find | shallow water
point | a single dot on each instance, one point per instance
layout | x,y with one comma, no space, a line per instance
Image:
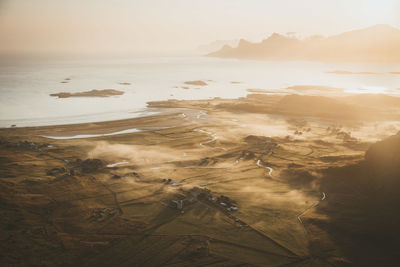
25,86
79,136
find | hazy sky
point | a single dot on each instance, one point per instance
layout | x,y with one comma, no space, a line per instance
91,26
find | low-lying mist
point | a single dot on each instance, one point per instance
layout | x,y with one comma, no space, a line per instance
134,153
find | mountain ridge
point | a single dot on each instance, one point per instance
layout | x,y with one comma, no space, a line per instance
378,43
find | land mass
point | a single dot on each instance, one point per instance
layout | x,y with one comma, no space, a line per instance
368,188
92,93
374,44
350,72
259,181
216,45
200,83
367,107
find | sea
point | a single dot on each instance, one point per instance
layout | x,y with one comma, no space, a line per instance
26,85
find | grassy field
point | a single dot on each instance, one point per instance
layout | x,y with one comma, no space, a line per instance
64,203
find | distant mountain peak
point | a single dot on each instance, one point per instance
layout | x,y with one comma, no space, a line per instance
276,35
377,43
372,30
243,42
382,27
216,45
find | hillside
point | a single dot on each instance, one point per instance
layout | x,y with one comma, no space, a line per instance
216,45
378,43
362,205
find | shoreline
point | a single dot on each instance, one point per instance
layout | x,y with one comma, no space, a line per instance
78,119
142,113
160,119
192,163
28,104
160,114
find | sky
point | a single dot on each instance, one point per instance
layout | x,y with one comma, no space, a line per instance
168,26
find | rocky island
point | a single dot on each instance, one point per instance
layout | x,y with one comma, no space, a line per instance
200,83
92,93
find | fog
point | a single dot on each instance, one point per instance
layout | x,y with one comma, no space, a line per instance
159,27
136,154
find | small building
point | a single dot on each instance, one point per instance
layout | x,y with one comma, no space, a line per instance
179,204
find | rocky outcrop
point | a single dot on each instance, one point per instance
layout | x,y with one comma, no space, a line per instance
92,93
200,83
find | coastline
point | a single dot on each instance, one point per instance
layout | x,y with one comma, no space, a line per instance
79,119
198,153
26,92
160,114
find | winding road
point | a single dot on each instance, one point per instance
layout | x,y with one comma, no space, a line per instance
312,206
269,168
213,135
214,138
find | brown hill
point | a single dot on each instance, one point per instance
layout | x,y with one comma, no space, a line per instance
362,205
317,106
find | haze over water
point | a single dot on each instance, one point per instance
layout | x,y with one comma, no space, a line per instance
25,88
148,28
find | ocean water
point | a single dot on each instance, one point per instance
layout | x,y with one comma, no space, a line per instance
25,86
